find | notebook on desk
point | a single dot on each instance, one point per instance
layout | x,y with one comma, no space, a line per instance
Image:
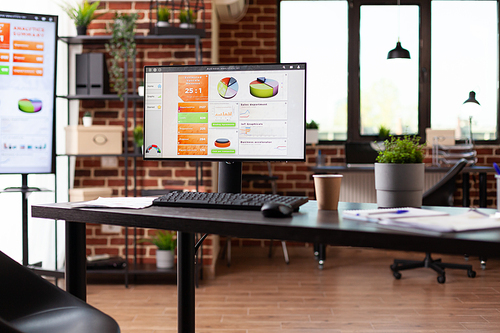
425,219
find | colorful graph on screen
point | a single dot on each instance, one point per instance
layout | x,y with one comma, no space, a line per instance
264,88
227,87
30,105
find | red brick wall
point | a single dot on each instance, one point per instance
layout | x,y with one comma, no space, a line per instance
252,40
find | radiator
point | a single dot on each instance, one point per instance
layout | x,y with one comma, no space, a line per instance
360,186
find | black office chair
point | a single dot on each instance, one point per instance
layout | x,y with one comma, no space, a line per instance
441,194
30,304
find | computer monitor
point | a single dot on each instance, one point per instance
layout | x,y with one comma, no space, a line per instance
225,113
28,51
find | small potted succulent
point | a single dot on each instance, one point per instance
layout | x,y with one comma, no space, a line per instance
166,244
187,18
139,137
163,17
87,119
82,14
312,132
400,172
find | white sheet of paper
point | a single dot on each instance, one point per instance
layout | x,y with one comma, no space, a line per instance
117,202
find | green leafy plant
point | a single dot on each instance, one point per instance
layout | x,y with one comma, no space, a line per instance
163,14
312,125
139,136
187,16
121,47
383,132
402,150
83,13
163,239
87,114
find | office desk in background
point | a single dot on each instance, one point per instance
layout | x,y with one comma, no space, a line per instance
481,170
308,225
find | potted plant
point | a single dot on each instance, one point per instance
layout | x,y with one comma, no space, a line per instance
383,133
87,119
82,14
163,16
166,244
121,47
139,137
312,129
399,172
187,18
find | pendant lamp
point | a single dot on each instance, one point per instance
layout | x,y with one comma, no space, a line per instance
398,52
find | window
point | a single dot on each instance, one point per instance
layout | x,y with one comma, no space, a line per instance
464,55
388,88
305,37
464,58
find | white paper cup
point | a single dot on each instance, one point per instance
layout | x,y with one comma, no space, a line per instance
327,188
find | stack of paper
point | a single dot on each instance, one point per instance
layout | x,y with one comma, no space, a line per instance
425,219
116,202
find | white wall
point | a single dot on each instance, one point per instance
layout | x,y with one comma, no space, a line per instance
41,232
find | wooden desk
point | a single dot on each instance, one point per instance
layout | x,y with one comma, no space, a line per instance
481,170
308,225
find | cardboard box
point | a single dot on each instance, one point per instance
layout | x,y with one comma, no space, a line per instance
91,193
97,139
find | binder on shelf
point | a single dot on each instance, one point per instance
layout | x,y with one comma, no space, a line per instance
92,76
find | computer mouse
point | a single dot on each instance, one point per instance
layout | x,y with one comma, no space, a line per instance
276,209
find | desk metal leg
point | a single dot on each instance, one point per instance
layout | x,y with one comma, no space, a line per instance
465,190
482,189
76,264
185,282
321,255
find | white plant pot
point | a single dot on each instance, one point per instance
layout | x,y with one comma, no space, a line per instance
399,185
140,90
164,259
186,26
312,136
162,24
87,121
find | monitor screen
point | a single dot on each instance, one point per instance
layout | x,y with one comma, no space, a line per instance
225,112
27,92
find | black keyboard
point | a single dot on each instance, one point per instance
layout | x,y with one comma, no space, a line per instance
241,201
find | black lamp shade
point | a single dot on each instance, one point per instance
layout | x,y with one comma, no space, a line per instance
472,98
398,53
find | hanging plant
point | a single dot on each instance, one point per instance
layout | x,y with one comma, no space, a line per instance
121,48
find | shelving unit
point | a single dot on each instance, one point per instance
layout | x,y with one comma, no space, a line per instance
182,36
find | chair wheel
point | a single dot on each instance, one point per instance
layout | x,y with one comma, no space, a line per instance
397,275
393,267
441,279
471,273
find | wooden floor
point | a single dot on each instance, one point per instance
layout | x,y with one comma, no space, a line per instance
356,292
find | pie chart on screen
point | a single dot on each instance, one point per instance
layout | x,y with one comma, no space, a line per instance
227,87
264,87
29,105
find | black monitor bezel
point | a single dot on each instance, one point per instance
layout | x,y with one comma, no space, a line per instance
32,16
213,67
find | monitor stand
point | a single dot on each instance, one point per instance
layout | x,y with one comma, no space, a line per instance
230,177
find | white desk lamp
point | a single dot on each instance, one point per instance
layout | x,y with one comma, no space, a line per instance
471,106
